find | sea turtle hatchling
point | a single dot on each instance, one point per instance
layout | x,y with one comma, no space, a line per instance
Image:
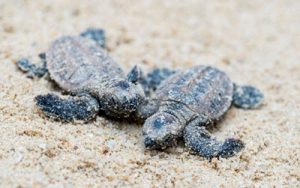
187,102
181,104
93,79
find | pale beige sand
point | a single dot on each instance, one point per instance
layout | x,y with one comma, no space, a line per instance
254,42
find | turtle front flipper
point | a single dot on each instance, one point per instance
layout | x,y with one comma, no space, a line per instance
247,97
198,139
71,108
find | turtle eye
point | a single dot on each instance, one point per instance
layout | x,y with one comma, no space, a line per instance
122,84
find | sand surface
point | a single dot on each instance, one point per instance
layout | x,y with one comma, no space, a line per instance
254,42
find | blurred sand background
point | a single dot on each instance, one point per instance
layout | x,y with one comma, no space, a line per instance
254,42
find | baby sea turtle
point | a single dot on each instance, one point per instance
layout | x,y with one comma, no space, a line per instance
187,102
93,79
181,104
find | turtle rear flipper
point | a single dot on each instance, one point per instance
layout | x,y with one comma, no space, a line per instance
33,70
95,34
68,109
247,97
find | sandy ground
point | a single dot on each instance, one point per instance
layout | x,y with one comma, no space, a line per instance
255,42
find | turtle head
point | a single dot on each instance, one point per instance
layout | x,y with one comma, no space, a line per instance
123,98
161,130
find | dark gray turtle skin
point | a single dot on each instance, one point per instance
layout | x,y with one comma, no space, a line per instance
152,80
186,103
96,34
84,69
247,97
33,70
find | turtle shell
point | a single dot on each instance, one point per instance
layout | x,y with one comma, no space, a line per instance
76,62
204,89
